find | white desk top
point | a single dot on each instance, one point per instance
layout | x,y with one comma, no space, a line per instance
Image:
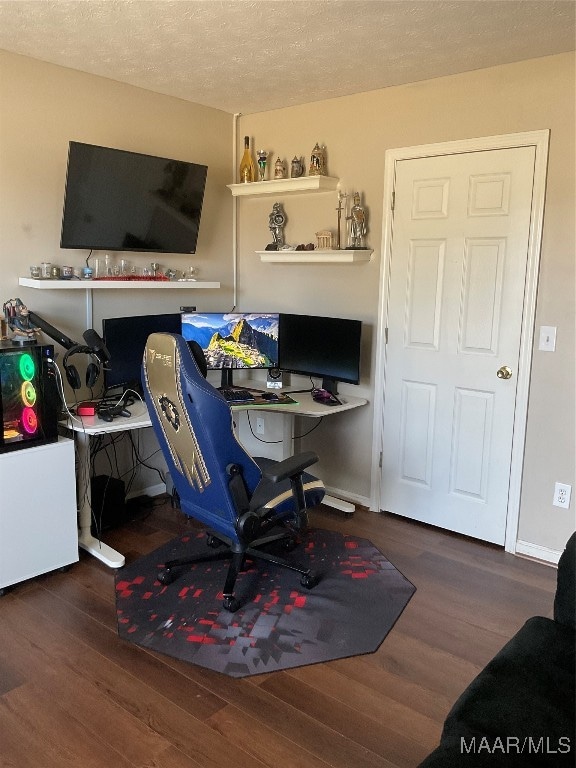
305,406
92,425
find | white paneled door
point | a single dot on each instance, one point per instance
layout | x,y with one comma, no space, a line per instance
459,254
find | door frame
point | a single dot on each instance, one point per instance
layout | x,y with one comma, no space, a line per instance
539,140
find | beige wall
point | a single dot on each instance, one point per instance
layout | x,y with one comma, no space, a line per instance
357,130
42,107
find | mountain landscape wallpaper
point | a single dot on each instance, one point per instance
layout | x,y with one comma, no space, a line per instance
234,340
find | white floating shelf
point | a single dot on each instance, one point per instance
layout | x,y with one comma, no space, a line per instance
285,186
187,285
315,257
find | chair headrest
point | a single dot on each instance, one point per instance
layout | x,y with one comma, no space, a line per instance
198,355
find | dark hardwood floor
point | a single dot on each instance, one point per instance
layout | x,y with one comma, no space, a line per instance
73,694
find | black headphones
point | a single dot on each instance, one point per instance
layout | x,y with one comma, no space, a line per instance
72,375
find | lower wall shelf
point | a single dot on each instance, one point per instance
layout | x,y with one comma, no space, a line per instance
187,285
316,257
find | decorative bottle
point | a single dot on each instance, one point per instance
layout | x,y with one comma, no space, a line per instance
247,167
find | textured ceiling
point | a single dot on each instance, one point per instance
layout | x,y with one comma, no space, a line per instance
244,56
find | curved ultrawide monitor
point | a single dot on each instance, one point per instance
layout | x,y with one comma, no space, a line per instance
328,347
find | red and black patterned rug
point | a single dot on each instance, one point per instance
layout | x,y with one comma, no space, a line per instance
280,624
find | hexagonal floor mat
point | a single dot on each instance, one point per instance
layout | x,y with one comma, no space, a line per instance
280,624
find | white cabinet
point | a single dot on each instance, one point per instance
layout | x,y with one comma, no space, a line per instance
38,525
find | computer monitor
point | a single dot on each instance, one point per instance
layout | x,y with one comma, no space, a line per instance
125,339
328,347
234,340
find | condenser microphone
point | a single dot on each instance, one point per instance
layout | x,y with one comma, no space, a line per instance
96,345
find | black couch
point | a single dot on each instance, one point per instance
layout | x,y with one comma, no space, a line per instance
519,711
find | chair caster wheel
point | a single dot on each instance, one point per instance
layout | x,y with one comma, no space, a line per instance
213,542
309,580
231,604
166,576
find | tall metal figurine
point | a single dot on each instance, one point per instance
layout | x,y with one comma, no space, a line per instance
341,198
276,224
358,229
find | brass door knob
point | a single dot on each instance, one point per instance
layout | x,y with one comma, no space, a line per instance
504,372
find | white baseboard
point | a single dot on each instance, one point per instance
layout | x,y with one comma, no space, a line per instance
536,552
355,498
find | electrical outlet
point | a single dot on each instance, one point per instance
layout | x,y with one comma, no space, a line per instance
562,495
259,425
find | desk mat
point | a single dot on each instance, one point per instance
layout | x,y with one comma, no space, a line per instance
280,625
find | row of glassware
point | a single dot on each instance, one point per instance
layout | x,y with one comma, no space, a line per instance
107,267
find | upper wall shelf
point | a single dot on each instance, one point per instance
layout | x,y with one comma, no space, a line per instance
285,186
316,257
29,282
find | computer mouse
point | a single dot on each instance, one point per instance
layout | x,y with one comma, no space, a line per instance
270,396
125,412
105,416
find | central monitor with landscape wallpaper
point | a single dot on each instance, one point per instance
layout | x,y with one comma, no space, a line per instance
232,340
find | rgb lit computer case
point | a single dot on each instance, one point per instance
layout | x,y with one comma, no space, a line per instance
29,401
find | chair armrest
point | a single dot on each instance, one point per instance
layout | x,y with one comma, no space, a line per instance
290,467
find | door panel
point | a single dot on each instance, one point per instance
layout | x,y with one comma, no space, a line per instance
459,252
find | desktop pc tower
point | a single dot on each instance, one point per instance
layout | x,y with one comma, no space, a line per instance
29,399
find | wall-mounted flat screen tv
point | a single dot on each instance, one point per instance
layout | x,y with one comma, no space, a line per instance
125,201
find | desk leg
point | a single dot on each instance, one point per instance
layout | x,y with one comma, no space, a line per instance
289,448
97,548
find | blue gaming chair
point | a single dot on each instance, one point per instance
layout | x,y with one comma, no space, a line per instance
245,503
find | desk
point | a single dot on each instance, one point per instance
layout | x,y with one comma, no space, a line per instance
84,428
309,408
87,426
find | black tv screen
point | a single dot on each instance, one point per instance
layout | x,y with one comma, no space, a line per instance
124,201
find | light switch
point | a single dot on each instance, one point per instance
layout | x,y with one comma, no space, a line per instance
547,338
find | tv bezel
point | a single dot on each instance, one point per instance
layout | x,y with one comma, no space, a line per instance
70,244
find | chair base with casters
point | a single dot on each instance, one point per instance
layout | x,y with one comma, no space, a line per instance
246,504
291,469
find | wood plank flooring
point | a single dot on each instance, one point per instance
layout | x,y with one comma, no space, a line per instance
73,694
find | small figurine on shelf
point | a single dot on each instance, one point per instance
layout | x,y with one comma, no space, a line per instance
262,157
324,240
358,228
276,224
296,168
279,169
318,161
17,317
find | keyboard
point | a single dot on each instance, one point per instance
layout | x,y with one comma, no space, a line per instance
236,395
